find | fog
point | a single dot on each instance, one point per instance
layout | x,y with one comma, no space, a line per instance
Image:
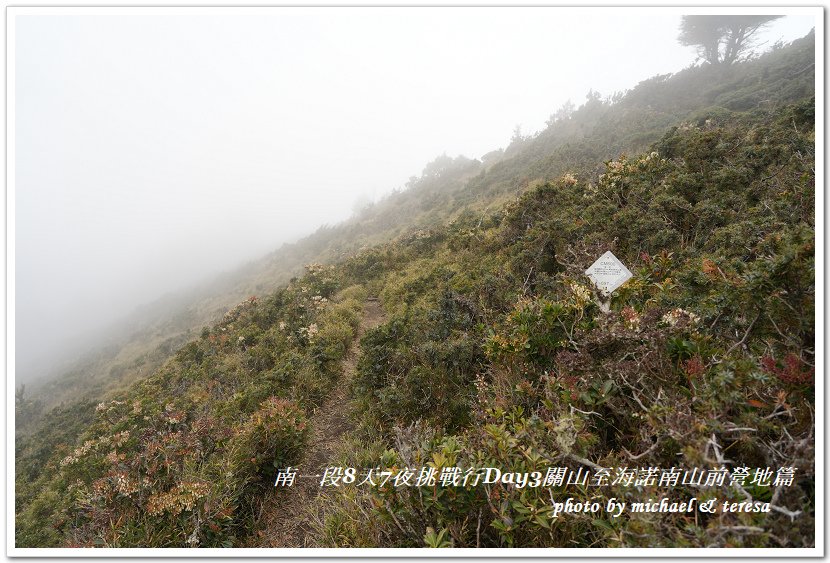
154,151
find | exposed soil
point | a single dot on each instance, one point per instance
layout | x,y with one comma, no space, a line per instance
284,518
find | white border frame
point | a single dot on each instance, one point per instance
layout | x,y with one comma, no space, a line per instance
389,553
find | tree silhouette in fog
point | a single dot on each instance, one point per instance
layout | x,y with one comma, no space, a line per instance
722,39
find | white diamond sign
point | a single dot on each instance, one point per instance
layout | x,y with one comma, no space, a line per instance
608,273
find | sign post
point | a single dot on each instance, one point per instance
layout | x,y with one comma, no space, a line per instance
607,274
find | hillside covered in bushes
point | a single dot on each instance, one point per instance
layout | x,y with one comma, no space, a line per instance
578,139
495,351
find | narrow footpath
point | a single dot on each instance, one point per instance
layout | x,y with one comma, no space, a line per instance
284,516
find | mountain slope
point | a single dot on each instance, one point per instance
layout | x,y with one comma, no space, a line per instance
575,142
494,352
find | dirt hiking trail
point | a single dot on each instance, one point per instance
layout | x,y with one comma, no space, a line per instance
284,518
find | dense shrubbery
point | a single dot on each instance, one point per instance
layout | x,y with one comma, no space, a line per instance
708,349
179,458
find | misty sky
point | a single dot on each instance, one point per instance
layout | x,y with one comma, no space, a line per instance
152,151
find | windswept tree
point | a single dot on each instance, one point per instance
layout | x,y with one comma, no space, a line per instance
722,39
